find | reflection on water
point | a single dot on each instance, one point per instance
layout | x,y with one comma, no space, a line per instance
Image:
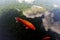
45,17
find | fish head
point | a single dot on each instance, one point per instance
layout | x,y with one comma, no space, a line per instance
17,19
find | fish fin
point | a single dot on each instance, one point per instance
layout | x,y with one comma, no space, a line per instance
16,21
26,28
15,18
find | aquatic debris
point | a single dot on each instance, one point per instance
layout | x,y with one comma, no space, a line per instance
34,11
47,20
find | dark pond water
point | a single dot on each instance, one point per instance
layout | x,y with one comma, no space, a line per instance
10,30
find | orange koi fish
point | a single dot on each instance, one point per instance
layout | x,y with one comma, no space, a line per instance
26,23
47,38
